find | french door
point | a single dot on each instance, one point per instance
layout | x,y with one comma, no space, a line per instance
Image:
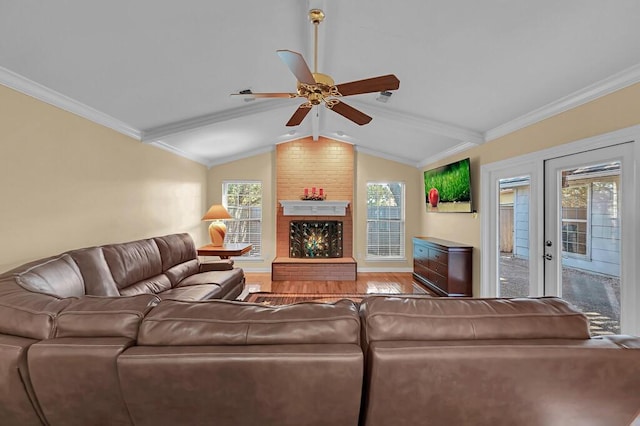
565,222
585,217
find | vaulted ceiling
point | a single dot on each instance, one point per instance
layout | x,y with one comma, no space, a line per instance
470,71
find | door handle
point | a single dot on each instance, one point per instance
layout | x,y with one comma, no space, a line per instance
548,256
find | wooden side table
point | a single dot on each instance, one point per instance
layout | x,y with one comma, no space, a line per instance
226,250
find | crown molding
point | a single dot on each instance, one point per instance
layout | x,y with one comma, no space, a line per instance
444,154
172,149
426,124
38,91
190,124
601,88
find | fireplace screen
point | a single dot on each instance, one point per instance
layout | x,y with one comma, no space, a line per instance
315,239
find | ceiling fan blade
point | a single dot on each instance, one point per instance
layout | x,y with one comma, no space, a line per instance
350,112
297,65
368,85
267,95
299,115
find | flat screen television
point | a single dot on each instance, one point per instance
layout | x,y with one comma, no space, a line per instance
448,188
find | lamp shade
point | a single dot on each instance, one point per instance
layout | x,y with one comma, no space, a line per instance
216,212
217,230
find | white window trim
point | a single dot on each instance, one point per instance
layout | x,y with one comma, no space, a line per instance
403,257
587,221
245,258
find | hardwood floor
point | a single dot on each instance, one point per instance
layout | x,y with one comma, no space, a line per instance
366,283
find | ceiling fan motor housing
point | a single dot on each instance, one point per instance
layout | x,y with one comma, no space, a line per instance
318,92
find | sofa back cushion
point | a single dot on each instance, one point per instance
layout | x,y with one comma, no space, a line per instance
235,323
104,316
179,257
138,265
407,318
57,276
27,313
98,280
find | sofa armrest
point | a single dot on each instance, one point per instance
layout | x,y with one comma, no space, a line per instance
218,265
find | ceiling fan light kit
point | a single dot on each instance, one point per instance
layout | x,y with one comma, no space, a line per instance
318,88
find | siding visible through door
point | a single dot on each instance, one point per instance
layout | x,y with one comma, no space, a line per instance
506,229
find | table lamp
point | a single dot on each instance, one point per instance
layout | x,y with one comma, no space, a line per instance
217,229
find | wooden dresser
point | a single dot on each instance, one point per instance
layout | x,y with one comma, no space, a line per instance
443,266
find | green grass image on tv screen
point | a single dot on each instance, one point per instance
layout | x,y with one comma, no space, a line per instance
452,182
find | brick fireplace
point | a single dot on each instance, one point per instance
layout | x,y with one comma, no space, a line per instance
326,164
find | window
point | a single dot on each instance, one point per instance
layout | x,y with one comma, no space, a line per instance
575,224
385,220
243,200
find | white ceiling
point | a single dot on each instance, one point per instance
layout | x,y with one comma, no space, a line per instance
469,70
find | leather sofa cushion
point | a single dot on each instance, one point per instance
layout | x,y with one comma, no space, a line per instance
57,276
218,265
221,322
182,270
152,285
225,279
179,257
98,280
193,293
133,262
104,316
28,314
175,249
420,318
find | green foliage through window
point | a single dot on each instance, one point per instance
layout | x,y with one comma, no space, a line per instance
243,200
385,220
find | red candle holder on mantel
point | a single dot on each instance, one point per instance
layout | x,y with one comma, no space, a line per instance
313,195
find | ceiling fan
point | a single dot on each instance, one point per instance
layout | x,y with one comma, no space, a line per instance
320,88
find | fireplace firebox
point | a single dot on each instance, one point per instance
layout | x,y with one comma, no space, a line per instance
315,238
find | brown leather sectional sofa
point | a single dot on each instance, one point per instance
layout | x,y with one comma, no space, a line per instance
146,356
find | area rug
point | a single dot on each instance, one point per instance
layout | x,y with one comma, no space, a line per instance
273,299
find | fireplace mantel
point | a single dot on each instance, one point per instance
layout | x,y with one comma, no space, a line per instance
314,208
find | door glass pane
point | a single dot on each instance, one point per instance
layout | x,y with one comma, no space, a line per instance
514,237
590,229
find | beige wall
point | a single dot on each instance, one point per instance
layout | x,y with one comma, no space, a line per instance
376,169
612,112
260,168
66,183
